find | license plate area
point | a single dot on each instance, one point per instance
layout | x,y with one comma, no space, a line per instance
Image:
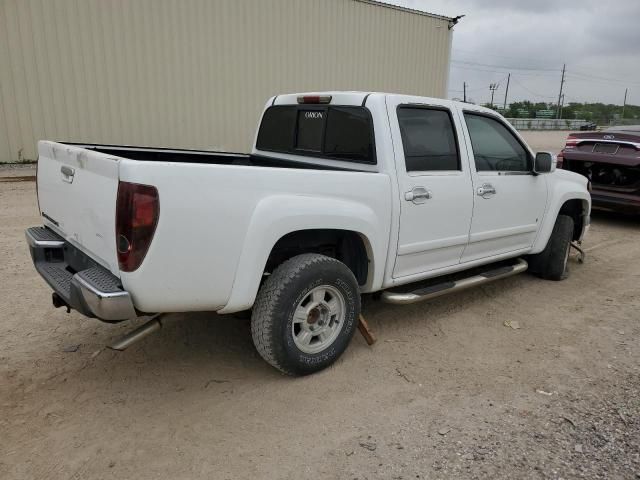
609,148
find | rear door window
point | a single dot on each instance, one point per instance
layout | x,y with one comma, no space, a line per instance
428,139
341,133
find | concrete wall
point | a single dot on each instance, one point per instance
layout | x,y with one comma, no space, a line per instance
196,73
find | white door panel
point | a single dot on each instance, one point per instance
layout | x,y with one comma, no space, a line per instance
509,219
433,234
435,188
508,205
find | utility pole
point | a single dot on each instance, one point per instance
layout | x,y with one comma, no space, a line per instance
625,101
564,67
493,87
504,107
561,105
464,92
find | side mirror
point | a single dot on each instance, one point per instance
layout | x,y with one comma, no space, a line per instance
543,163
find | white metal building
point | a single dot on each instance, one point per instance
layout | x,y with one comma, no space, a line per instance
196,73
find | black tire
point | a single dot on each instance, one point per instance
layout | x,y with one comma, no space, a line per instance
286,290
551,263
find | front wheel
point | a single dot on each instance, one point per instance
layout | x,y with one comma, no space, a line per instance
551,263
305,314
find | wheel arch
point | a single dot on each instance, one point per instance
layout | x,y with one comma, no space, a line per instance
350,247
578,210
279,223
575,205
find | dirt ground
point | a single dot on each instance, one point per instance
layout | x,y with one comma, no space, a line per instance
448,391
545,140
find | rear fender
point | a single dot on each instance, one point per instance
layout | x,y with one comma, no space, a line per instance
276,216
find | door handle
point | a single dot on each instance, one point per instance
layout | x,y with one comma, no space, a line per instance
67,173
418,195
486,190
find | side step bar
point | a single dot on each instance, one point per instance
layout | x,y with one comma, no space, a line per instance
433,291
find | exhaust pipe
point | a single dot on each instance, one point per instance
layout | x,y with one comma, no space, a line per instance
138,334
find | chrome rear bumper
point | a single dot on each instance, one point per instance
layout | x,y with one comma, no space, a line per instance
76,279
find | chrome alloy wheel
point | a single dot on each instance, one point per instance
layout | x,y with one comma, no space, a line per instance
318,319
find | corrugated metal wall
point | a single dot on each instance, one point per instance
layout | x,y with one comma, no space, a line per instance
196,73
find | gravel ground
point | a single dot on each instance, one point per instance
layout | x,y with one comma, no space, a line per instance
13,170
546,140
448,391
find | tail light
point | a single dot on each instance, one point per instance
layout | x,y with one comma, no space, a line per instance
559,160
572,142
137,212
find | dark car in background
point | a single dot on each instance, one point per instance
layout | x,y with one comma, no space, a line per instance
588,126
610,159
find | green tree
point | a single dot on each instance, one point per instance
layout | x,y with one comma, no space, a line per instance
597,112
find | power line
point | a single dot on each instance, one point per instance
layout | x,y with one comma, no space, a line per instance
597,77
483,53
530,91
520,84
573,76
473,89
464,67
572,99
538,67
600,80
479,64
576,74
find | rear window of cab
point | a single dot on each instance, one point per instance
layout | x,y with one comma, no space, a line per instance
339,133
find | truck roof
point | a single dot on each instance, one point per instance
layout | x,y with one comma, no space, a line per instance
359,98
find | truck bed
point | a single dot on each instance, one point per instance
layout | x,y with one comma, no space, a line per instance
219,215
176,155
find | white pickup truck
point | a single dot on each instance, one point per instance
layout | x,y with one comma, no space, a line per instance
344,194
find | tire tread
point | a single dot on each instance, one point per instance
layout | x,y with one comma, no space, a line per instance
263,316
549,264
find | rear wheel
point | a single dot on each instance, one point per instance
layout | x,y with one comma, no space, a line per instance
551,263
305,314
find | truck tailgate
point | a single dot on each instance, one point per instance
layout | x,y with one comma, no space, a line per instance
77,190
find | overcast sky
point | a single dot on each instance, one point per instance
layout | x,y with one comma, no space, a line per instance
598,40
